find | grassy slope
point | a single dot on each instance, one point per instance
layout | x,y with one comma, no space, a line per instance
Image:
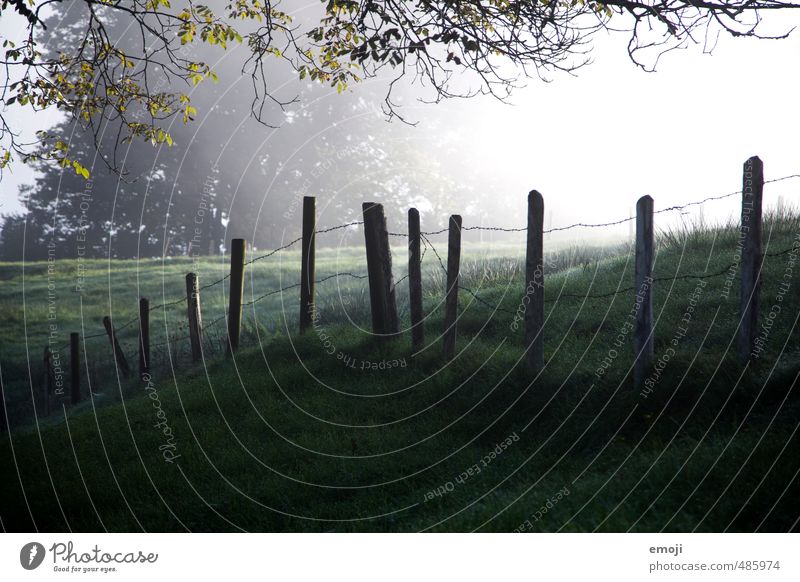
268,443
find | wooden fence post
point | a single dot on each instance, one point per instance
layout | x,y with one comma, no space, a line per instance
119,355
75,366
195,316
144,337
752,190
415,279
379,268
307,271
451,299
643,328
47,385
534,284
236,293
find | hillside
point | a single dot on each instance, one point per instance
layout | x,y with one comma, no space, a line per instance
334,432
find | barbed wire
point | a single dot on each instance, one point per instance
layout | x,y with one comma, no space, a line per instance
274,251
783,252
209,285
427,244
606,295
484,302
613,222
400,280
435,252
295,285
214,322
256,300
332,228
297,240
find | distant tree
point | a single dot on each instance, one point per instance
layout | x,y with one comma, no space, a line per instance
192,198
130,75
12,238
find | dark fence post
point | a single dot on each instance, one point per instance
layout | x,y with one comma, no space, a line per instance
534,284
415,279
451,299
119,355
47,385
75,366
307,264
236,293
643,329
752,190
379,268
195,316
144,337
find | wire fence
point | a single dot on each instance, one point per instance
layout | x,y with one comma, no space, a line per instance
428,245
170,341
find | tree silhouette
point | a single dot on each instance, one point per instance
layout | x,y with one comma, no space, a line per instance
129,61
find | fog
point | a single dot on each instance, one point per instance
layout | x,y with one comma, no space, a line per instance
591,144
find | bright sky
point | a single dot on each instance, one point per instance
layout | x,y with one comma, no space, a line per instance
593,144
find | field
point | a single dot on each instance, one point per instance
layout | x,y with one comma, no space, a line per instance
332,431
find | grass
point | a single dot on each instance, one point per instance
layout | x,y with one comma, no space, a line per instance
293,435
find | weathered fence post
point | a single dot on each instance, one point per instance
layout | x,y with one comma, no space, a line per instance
534,284
195,316
236,293
451,299
307,264
75,366
643,328
47,385
144,337
752,190
119,355
379,268
415,279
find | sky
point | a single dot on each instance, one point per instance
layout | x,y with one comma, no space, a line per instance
594,143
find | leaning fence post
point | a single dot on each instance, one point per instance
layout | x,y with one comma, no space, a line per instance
47,385
643,328
534,284
752,190
415,279
307,264
195,317
119,355
379,268
451,300
144,337
75,366
236,293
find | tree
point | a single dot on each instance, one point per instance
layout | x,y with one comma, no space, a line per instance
130,76
217,184
12,240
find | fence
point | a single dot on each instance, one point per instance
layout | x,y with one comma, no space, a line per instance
383,307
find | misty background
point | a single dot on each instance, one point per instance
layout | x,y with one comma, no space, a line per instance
592,144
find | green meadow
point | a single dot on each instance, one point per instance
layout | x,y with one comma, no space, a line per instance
334,431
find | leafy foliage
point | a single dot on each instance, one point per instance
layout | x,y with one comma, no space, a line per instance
133,78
